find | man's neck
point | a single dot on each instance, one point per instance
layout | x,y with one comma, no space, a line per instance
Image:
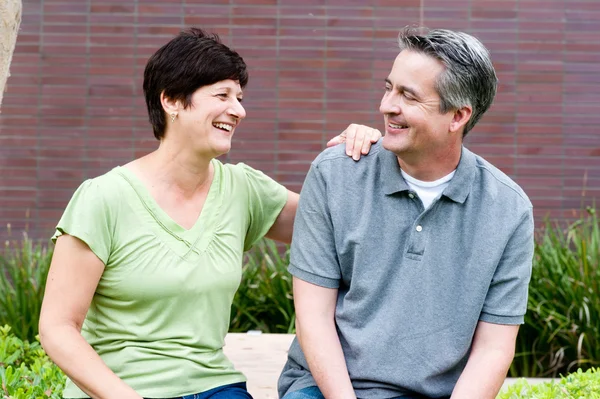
432,167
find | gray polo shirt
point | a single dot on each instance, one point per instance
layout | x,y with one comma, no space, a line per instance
412,283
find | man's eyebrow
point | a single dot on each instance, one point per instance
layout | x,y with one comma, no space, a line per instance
404,88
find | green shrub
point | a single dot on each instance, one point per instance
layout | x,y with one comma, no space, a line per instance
578,385
264,300
25,370
23,271
561,331
562,325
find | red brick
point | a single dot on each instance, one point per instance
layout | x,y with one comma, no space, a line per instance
294,22
542,14
64,28
399,4
106,8
65,19
305,2
252,2
254,21
114,19
112,29
61,7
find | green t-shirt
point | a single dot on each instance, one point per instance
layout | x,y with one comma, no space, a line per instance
161,310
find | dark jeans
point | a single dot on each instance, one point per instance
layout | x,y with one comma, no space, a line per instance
230,391
315,393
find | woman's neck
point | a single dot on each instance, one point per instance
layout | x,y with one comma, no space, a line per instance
174,169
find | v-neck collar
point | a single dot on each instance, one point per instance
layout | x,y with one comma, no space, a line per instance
200,234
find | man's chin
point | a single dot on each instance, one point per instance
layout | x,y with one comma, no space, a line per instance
394,144
391,143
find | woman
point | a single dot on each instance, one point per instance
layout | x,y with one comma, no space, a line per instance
148,256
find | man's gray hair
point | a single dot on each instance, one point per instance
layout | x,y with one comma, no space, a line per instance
469,78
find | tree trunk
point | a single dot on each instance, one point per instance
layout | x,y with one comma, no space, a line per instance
10,19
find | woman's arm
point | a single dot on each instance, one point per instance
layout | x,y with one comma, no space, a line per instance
74,274
284,224
358,139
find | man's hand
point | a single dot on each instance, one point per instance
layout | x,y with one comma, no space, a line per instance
358,139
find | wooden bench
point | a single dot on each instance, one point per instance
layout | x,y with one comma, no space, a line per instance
262,356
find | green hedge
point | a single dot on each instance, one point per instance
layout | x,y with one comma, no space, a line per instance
264,300
562,326
26,373
25,370
578,385
24,268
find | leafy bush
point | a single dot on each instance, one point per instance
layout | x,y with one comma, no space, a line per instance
561,331
25,370
264,300
579,385
23,271
26,373
562,325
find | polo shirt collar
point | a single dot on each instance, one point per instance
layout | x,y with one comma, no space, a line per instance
460,185
391,176
458,189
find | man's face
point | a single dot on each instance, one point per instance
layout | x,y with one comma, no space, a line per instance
414,125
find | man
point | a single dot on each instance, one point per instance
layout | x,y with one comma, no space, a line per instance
422,295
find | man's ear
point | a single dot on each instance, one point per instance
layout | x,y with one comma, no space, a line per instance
460,118
169,105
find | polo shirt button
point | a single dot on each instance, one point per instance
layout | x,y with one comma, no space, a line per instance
419,228
411,195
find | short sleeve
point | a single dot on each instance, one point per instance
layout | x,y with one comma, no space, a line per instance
313,256
506,301
266,199
88,217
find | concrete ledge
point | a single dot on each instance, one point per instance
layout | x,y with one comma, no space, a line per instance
262,356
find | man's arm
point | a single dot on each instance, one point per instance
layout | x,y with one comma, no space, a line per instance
317,335
492,352
314,263
493,346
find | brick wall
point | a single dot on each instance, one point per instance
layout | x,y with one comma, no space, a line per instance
74,106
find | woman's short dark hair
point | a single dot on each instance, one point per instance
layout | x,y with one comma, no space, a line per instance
191,60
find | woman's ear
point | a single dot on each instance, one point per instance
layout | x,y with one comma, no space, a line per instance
169,105
460,118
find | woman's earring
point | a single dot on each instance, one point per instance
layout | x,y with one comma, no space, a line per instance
173,116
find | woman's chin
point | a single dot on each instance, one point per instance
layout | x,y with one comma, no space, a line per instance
222,149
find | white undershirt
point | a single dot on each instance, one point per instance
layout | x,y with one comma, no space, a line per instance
428,191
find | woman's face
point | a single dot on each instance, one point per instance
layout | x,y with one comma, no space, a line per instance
209,122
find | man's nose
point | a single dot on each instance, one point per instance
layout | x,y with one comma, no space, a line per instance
389,106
